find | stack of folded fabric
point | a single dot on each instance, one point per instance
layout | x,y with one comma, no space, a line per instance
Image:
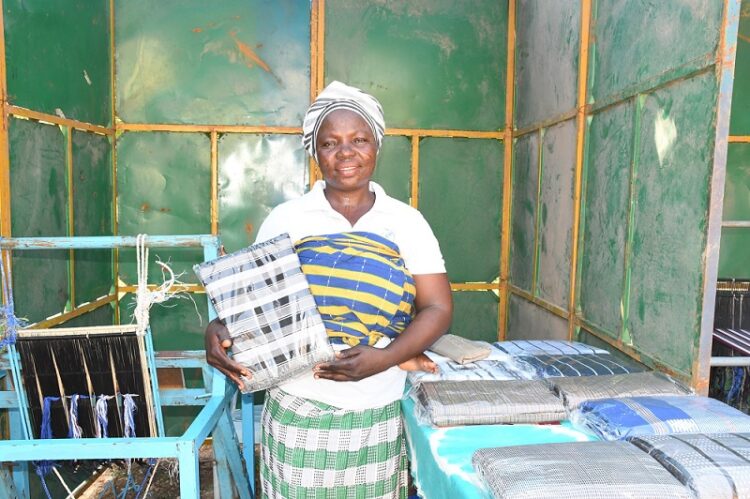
577,389
581,470
591,364
448,403
521,348
715,466
264,299
629,417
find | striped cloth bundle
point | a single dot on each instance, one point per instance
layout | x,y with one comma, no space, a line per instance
575,470
591,364
629,417
448,403
577,389
520,348
264,299
713,466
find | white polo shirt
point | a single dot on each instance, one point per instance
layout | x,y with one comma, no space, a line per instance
312,215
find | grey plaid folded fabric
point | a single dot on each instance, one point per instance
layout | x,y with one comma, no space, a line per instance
460,349
575,470
575,390
448,403
264,299
714,466
591,364
450,370
546,347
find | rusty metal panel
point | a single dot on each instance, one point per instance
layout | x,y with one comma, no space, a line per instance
39,197
675,158
740,120
547,43
256,173
229,62
556,213
464,210
92,213
641,43
524,211
605,217
734,261
394,167
164,187
527,321
432,63
57,57
475,315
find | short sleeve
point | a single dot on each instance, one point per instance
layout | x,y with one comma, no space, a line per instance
419,246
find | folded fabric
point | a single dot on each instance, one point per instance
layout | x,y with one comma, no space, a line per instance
450,370
549,347
714,466
461,349
575,390
591,364
448,403
264,299
575,470
628,417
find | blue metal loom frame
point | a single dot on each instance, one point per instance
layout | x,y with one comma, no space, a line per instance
214,419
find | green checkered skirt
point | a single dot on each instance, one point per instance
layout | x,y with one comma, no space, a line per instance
314,450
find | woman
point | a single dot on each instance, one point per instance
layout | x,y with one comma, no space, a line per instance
337,431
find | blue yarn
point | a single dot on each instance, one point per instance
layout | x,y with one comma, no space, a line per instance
738,378
129,415
43,468
7,317
42,474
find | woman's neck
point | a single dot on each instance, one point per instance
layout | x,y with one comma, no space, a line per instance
351,204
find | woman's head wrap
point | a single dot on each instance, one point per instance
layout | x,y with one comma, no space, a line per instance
339,96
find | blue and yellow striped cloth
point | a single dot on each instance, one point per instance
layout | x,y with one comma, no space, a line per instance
360,284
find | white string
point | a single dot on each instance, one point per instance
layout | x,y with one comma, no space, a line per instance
102,420
75,429
145,298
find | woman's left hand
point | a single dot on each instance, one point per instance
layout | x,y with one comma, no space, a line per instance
354,364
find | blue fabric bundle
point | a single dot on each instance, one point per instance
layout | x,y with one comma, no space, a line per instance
624,418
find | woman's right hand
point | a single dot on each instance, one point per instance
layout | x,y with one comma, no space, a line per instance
217,341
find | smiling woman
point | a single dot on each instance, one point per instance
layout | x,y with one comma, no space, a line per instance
379,282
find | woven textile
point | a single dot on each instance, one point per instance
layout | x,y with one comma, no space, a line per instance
263,298
546,347
577,470
360,284
310,449
575,390
449,370
592,364
627,417
460,349
714,466
448,403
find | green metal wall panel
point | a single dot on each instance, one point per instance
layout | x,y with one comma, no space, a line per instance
57,56
529,321
229,62
475,315
460,195
556,213
39,197
740,119
547,45
256,173
164,187
92,213
734,260
638,43
675,157
605,217
394,167
102,316
432,63
524,211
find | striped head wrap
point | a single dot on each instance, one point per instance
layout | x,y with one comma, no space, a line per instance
340,96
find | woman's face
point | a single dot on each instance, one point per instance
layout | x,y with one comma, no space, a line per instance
347,151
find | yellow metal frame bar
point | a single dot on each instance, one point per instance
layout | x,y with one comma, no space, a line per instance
546,123
84,308
177,288
502,308
549,307
214,182
71,214
176,127
113,117
414,197
739,139
56,120
5,220
583,74
475,286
